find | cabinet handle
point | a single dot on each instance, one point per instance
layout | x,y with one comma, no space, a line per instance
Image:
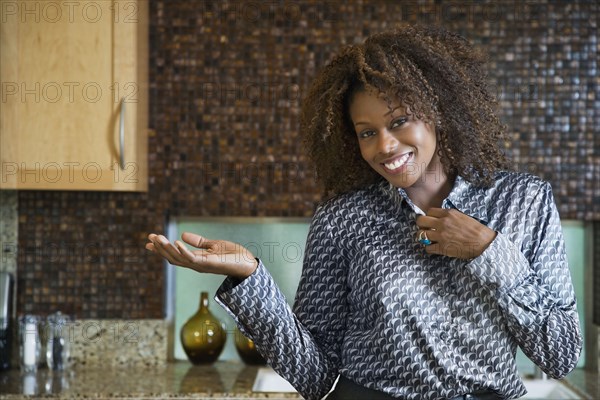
122,135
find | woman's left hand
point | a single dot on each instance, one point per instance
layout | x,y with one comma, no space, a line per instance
454,234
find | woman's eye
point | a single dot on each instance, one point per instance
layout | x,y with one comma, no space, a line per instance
399,122
366,134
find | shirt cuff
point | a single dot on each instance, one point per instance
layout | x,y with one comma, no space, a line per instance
248,300
501,264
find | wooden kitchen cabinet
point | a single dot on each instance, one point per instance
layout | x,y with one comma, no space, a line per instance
67,71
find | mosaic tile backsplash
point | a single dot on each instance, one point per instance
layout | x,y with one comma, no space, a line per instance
226,79
9,230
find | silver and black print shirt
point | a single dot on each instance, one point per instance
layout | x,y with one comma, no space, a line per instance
374,307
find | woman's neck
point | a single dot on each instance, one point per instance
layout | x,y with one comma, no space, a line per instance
431,193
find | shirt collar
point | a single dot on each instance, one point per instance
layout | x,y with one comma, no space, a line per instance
462,197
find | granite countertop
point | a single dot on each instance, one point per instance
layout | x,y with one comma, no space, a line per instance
180,380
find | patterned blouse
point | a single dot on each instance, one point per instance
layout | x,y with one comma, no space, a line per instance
373,306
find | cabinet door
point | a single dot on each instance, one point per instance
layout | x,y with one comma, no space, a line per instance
68,69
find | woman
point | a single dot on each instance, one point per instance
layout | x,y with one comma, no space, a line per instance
430,263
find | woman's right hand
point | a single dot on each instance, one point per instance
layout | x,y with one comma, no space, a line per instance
213,256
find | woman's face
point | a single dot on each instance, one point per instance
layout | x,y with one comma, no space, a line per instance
399,147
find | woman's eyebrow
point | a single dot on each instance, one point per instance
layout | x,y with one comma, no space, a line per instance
403,108
385,115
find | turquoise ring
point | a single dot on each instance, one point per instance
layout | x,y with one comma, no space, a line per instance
423,239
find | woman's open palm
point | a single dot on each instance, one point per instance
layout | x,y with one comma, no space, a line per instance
212,256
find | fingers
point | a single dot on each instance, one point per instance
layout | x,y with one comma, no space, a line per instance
427,233
164,248
178,253
184,251
430,234
427,222
438,212
436,215
150,246
453,233
197,240
435,222
159,247
191,257
172,252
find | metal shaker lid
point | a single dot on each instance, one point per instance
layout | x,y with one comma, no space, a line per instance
5,283
58,318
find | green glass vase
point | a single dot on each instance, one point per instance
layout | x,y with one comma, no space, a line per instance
203,336
247,350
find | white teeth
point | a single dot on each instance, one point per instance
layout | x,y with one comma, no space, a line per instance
398,163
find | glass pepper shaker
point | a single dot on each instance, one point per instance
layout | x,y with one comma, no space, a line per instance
57,343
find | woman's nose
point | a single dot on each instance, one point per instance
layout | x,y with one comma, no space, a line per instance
386,142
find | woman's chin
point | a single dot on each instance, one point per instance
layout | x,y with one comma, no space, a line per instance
399,181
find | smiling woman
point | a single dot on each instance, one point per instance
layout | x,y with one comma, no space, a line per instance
424,231
400,147
397,145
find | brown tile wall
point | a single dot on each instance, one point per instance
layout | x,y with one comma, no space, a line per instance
596,278
226,78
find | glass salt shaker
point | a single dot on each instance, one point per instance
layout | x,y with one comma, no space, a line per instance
29,342
57,343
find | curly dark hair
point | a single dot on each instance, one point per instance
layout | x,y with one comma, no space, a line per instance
438,74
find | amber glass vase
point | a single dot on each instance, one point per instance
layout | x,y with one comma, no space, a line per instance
203,336
247,350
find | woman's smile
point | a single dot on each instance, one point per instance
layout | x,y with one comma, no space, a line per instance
397,164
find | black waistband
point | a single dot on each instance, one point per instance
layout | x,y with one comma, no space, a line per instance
348,390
